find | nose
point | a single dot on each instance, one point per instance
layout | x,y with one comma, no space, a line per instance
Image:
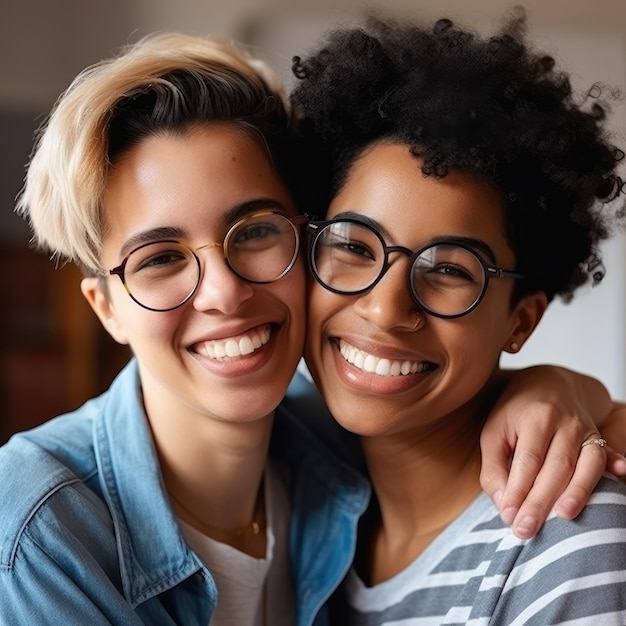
389,305
220,289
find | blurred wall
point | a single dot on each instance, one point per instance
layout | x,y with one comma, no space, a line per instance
44,43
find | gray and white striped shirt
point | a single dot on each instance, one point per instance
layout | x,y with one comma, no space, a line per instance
477,572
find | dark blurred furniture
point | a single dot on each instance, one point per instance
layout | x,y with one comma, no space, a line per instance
53,352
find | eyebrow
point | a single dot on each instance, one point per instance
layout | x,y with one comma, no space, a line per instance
171,232
477,244
148,236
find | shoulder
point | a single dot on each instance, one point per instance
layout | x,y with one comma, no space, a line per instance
563,549
60,455
45,479
310,455
57,539
319,468
304,402
599,529
572,570
605,509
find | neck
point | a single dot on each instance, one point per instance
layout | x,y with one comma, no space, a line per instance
213,473
416,477
423,481
249,538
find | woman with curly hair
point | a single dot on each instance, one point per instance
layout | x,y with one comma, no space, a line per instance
466,189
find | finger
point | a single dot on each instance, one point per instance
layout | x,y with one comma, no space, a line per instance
494,470
616,462
526,465
549,483
591,465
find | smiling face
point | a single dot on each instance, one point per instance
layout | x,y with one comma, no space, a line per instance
231,349
432,371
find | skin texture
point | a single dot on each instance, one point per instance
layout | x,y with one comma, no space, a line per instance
421,429
209,417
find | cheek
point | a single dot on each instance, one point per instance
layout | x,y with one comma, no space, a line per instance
291,291
496,317
146,330
474,343
294,291
323,304
315,297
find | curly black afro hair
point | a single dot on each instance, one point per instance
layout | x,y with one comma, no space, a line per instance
486,105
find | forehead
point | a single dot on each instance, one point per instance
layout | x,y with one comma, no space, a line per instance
386,183
193,181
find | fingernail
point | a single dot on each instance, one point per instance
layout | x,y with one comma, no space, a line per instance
526,527
497,498
508,515
567,508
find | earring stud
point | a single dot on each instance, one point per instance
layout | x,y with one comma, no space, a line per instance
514,346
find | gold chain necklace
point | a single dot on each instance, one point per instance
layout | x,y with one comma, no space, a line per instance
254,527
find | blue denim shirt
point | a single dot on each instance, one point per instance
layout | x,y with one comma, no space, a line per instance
87,535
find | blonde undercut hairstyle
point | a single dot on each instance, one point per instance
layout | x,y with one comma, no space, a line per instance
163,83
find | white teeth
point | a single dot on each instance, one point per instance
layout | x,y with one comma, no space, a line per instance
246,346
359,359
221,349
232,348
382,367
370,363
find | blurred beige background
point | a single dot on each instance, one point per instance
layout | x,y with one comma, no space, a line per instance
52,354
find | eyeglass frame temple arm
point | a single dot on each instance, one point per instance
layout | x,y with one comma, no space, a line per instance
496,272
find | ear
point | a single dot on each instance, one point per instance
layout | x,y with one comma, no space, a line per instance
99,301
524,319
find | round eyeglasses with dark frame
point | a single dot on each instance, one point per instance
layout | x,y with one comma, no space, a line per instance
259,248
447,278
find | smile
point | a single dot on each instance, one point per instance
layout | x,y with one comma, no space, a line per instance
233,347
380,366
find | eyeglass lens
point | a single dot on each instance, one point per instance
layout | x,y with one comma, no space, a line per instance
260,248
446,279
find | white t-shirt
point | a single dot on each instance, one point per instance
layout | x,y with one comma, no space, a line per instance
252,592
